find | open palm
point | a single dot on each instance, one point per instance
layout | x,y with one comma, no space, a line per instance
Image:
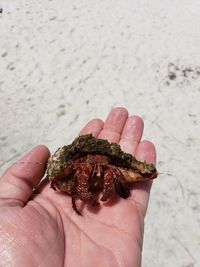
43,230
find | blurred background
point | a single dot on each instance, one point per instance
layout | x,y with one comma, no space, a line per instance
63,63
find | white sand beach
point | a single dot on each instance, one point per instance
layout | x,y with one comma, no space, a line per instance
63,63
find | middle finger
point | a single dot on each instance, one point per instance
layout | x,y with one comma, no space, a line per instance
114,125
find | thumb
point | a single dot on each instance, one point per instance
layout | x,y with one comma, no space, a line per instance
18,181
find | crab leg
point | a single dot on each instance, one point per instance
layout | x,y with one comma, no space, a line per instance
74,206
82,191
96,180
109,184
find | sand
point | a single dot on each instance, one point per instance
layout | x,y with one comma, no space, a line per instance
63,63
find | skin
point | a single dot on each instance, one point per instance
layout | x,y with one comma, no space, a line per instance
43,230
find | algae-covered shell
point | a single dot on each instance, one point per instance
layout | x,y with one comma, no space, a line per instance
87,144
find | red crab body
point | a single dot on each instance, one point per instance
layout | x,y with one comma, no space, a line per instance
88,175
90,166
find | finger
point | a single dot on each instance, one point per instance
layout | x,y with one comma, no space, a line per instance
94,127
145,152
18,181
114,125
131,135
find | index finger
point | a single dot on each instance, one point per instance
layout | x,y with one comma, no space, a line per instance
114,125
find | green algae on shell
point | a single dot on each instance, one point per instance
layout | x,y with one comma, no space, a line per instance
87,144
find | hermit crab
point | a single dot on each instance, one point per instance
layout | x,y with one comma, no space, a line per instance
90,167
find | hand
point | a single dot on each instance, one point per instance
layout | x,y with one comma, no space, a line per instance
43,229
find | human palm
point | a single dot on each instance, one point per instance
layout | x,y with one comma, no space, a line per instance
43,230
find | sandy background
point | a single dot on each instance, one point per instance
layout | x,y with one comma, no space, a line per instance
65,62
